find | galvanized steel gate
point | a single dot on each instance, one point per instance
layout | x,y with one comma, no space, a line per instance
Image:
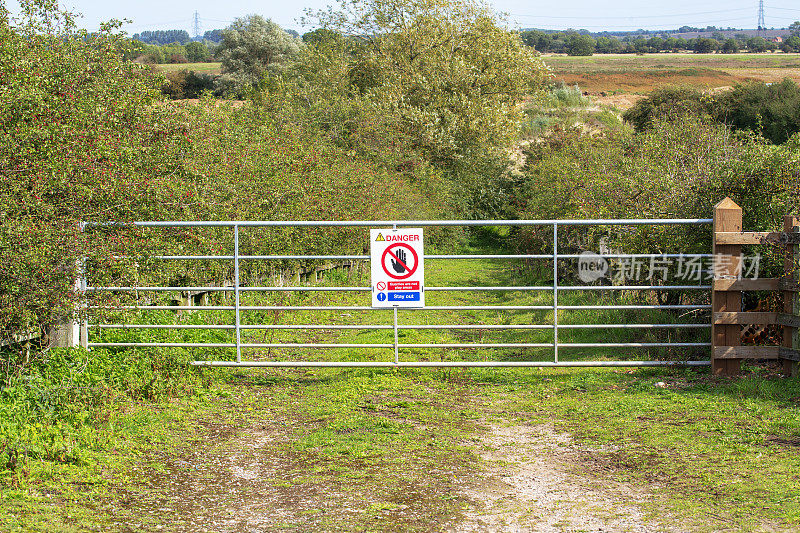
237,327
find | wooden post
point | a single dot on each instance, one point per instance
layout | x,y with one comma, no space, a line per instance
727,265
790,300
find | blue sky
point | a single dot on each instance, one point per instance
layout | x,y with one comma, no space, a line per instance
592,15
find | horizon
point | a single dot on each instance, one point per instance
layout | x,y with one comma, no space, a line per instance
580,15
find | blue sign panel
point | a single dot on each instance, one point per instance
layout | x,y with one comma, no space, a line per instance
404,296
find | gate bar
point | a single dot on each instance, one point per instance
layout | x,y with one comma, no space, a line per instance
401,326
406,223
311,288
455,256
368,308
447,364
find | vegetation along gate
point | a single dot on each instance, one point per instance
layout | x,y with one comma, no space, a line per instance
613,320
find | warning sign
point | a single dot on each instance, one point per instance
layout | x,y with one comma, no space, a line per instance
397,268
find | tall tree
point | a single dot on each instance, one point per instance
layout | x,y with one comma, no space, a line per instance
251,48
448,70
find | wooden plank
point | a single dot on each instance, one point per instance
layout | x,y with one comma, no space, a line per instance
789,354
789,321
755,237
788,285
745,318
746,352
727,219
760,284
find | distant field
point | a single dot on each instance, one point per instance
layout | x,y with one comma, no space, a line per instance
641,74
205,68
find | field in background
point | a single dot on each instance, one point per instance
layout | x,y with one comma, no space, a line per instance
627,73
201,68
623,77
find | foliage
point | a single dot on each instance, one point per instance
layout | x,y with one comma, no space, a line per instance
730,46
79,129
86,137
182,84
675,169
445,69
791,44
163,37
251,48
197,52
664,102
214,36
581,45
703,45
773,110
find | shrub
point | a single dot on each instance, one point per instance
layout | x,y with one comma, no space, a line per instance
770,109
664,102
80,131
675,169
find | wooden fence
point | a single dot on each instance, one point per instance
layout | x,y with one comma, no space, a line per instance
726,300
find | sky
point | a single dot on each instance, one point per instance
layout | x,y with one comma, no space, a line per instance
579,14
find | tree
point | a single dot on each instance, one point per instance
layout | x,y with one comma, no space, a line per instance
773,110
251,48
163,36
794,28
607,45
446,70
581,45
197,52
756,44
656,44
730,46
664,103
84,136
703,45
792,44
215,36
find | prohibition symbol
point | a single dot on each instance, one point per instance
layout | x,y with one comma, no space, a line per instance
398,264
381,286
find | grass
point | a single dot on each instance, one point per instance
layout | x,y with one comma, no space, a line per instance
201,68
566,107
393,449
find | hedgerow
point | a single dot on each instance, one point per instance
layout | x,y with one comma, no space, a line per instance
87,136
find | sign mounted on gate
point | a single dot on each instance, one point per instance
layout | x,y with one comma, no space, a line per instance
397,267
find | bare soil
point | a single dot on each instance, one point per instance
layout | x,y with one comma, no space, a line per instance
535,480
245,480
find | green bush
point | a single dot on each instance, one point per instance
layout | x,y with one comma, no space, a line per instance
773,110
81,130
770,109
675,169
665,103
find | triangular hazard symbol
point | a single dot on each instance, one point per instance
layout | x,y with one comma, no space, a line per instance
380,237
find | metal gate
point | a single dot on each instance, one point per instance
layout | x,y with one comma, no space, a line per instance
554,320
